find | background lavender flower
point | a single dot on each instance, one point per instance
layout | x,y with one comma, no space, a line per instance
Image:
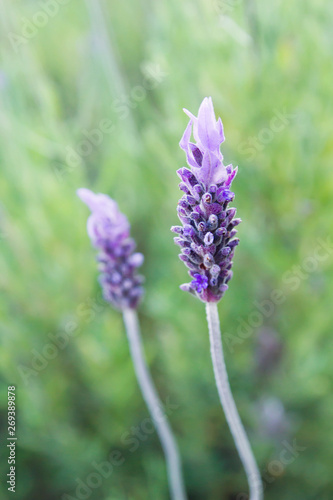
274,422
269,352
109,231
207,236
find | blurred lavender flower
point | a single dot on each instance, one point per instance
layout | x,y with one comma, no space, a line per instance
109,231
207,236
274,422
269,351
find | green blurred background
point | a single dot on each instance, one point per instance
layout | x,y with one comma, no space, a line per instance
92,95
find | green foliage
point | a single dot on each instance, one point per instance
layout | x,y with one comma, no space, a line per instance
267,68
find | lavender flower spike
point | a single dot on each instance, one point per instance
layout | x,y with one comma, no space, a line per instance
207,236
109,231
207,243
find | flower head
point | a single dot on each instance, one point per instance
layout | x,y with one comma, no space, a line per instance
206,236
109,231
199,283
205,156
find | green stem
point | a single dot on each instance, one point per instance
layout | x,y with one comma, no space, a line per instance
149,393
229,406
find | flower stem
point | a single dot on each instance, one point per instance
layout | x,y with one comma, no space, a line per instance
229,406
155,407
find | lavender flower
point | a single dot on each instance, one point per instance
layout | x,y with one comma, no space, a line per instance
207,236
207,246
109,231
269,352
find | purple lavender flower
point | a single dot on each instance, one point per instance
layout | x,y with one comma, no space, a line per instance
269,352
207,236
109,231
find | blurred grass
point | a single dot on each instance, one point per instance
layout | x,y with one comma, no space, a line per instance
259,60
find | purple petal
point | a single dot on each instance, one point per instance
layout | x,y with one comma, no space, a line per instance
207,126
185,287
220,130
196,154
212,170
186,137
136,259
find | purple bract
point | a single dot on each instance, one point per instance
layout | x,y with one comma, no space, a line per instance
207,236
109,231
